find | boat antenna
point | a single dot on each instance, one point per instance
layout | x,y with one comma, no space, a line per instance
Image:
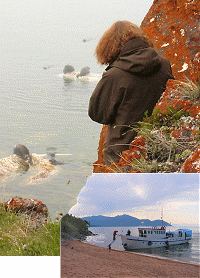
162,216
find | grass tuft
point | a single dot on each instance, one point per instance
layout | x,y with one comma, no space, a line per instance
16,239
189,89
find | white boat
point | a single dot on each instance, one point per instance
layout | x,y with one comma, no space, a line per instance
155,237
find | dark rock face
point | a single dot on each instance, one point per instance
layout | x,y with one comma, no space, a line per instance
173,27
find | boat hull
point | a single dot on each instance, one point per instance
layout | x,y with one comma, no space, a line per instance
131,243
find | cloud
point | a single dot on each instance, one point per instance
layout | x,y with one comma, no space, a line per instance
112,194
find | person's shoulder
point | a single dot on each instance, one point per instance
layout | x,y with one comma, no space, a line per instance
113,72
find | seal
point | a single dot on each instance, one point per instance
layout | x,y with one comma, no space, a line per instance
68,69
53,160
23,152
84,71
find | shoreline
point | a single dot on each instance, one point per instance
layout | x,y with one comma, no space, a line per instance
146,255
80,259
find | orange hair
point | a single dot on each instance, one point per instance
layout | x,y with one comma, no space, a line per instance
114,39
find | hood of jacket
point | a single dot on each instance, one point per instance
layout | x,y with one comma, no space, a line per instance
138,58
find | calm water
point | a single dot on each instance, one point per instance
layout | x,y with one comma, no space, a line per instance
41,111
37,108
184,253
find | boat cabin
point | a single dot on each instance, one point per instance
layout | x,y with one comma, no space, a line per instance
151,232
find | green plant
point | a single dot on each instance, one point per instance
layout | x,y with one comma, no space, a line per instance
17,240
144,166
189,89
74,228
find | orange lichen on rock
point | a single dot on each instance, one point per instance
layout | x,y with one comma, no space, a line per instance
28,206
173,27
136,151
194,110
171,97
192,164
100,162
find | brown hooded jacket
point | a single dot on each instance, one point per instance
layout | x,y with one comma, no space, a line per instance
131,85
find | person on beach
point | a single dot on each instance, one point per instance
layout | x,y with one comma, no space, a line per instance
132,84
114,234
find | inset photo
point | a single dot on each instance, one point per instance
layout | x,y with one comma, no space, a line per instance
123,221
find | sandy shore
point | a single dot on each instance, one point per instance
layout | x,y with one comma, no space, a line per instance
80,259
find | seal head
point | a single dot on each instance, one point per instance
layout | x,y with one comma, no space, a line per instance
23,152
68,69
84,71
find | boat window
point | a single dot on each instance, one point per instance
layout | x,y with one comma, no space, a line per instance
151,232
148,232
141,233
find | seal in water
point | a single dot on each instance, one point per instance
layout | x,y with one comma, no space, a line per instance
84,71
53,160
68,69
23,152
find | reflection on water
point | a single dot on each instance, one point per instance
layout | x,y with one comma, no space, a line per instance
42,112
188,252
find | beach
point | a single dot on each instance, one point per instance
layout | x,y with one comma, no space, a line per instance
79,259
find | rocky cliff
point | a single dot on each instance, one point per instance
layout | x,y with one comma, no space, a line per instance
168,141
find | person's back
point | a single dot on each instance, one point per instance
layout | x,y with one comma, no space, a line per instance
132,85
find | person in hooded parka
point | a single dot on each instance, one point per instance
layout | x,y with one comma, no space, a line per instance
132,84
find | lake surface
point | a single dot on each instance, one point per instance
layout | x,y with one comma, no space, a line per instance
38,109
46,114
188,253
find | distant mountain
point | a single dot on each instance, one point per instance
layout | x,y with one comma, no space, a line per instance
121,221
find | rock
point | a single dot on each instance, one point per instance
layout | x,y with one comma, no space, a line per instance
173,27
192,164
30,209
172,141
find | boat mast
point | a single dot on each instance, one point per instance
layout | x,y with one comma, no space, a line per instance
162,216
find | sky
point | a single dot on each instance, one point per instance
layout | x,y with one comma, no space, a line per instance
54,22
141,196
